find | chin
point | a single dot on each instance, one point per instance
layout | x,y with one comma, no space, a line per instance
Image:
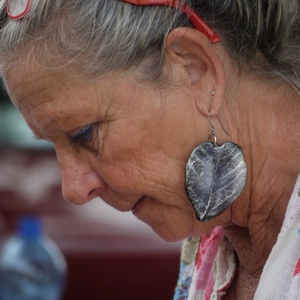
171,233
169,222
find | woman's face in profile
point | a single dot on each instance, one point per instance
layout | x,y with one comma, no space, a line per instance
123,142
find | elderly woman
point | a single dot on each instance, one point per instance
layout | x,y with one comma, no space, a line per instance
185,113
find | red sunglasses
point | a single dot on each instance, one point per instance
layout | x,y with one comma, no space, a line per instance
16,9
195,19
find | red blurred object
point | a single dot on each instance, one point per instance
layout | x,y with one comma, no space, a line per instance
110,255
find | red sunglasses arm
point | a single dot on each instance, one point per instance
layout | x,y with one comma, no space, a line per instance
201,25
195,19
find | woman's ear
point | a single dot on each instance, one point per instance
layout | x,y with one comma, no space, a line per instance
191,57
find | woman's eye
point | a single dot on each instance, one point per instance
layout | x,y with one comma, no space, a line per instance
85,135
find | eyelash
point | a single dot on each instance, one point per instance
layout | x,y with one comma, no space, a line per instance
85,135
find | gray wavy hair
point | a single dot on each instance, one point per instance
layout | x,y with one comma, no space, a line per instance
98,36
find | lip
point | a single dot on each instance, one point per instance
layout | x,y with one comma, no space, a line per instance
138,204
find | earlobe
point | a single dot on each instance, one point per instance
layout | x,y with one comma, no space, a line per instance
196,59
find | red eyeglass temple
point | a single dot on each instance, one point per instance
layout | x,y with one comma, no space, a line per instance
196,20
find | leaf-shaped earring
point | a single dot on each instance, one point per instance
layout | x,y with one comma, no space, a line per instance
215,176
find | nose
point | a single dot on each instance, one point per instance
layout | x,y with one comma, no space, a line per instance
80,182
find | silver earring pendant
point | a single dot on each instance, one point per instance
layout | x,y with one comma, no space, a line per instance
215,176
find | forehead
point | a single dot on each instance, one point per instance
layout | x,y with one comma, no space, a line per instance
52,97
34,83
47,97
40,85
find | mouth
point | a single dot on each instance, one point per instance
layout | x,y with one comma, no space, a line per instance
137,204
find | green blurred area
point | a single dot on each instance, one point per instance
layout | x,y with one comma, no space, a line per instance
14,132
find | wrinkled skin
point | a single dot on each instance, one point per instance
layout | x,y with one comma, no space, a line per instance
130,157
134,156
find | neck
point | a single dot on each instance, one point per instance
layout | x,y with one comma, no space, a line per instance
270,138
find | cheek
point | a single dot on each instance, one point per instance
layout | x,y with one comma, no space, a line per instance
124,147
135,157
120,167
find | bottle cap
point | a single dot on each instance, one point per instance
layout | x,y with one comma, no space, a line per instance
30,227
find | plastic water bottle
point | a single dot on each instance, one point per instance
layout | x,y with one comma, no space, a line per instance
31,265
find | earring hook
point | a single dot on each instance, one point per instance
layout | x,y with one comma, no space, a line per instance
213,133
222,125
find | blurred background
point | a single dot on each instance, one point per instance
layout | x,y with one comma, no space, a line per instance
110,255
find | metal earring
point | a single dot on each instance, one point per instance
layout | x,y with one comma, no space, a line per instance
215,176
